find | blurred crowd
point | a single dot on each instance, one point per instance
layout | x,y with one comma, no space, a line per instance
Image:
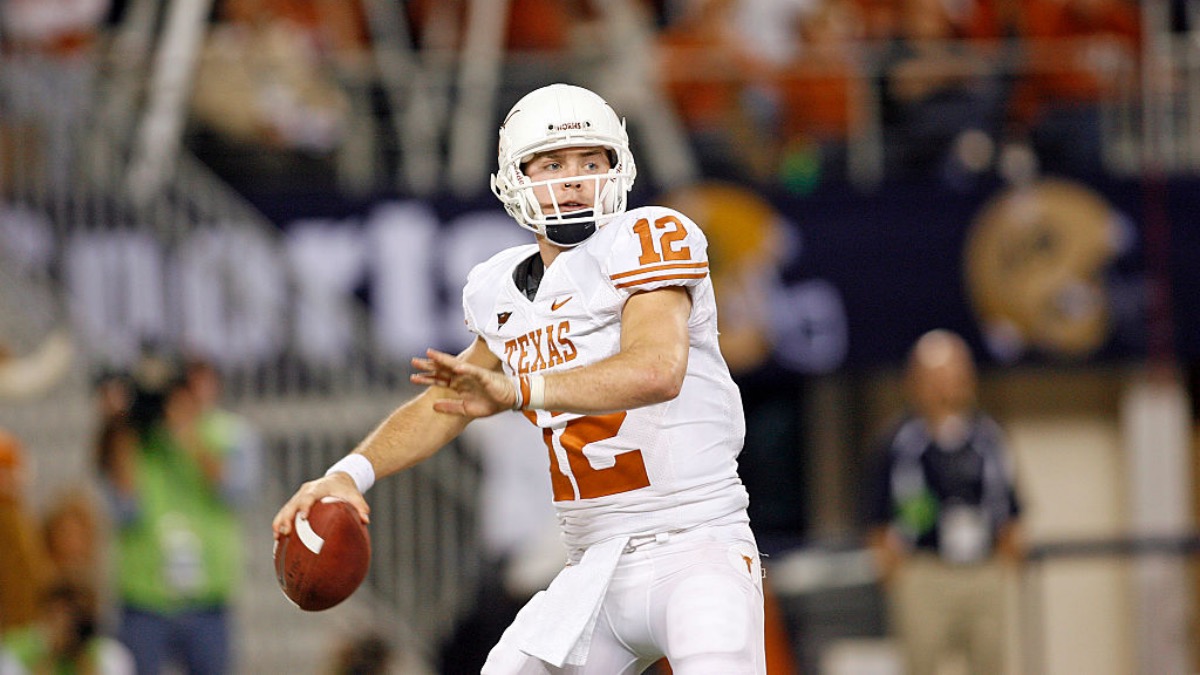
137,568
948,87
771,91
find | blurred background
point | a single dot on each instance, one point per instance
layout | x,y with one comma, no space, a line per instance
293,191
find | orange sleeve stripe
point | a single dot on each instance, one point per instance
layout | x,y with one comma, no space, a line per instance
659,268
665,277
525,391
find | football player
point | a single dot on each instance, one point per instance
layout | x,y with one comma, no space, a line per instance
603,333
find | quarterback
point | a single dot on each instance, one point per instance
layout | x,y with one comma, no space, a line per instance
603,333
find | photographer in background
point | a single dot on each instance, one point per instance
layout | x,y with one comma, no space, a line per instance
176,475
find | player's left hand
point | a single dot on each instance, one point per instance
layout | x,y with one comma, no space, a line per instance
479,392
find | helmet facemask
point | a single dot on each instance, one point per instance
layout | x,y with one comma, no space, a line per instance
568,227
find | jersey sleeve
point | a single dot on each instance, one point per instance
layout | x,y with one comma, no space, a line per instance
469,292
661,248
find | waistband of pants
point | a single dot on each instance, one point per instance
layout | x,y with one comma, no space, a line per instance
734,524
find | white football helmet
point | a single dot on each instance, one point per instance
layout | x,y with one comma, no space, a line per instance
551,118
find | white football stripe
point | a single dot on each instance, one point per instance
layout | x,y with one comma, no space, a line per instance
311,540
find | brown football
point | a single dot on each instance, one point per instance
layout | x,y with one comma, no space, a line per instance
325,557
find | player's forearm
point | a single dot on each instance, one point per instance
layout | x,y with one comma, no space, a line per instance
409,435
628,380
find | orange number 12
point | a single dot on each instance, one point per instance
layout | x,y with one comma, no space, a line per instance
626,474
672,232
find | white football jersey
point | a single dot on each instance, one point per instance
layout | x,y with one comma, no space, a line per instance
659,468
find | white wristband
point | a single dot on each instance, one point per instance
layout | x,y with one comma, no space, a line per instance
537,393
520,385
359,468
530,392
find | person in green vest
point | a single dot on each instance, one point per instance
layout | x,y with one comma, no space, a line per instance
177,472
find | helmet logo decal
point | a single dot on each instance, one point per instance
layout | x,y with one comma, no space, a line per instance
566,126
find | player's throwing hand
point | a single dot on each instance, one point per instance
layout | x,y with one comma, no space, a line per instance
339,485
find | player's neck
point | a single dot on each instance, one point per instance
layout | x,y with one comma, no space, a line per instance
548,250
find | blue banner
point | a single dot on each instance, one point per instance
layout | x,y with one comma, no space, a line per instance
1055,272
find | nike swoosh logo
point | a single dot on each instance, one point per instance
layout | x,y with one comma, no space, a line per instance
559,303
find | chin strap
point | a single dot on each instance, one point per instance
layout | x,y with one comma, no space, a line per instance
572,228
570,234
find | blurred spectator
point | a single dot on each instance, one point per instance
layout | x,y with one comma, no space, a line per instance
707,73
821,96
113,392
336,29
24,570
368,654
881,19
1082,53
940,104
768,27
52,28
531,25
175,489
116,439
943,516
65,638
987,19
71,530
267,75
116,455
539,25
48,75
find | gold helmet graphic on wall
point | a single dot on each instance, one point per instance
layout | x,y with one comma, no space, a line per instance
1035,262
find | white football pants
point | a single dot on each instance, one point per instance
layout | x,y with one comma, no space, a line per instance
695,598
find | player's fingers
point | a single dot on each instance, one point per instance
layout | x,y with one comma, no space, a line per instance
278,525
442,359
298,504
436,373
429,380
360,504
428,365
283,518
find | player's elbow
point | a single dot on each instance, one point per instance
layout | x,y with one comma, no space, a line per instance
663,381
